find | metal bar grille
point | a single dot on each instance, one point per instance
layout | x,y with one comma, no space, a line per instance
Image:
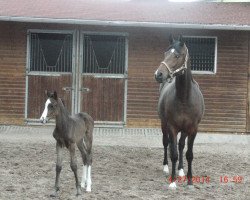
104,54
202,53
50,52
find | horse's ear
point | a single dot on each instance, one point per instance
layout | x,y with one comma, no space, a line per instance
55,95
181,40
171,39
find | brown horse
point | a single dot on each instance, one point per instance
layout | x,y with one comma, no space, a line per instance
180,106
69,132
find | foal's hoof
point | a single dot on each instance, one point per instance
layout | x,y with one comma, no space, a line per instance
172,186
83,185
88,189
54,195
79,191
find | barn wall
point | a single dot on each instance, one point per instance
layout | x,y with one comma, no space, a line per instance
12,73
225,92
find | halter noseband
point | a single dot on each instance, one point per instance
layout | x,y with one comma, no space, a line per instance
181,69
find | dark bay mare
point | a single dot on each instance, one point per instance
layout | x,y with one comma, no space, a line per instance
69,132
180,106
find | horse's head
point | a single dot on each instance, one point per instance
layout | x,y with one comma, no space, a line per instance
51,108
175,61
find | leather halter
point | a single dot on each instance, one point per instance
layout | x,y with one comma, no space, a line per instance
181,69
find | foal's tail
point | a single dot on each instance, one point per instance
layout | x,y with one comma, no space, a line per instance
88,135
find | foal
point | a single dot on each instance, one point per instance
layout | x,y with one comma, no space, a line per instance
69,132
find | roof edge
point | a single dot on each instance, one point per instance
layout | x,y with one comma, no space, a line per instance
126,23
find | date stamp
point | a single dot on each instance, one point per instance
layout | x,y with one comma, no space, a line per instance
207,179
195,179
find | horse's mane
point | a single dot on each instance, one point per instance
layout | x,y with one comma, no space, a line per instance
63,104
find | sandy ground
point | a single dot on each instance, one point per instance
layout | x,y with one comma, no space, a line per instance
27,171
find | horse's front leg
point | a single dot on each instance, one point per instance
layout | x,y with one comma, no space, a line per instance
73,165
174,157
59,151
181,147
165,142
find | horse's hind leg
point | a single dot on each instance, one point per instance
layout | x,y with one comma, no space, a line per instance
59,150
181,147
73,165
165,141
189,157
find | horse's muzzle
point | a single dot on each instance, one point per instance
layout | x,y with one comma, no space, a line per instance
159,76
43,120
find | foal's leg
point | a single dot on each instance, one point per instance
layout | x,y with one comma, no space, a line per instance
165,141
59,151
181,147
73,165
189,157
174,157
84,159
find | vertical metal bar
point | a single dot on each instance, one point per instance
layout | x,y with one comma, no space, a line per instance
117,57
64,55
28,56
125,82
75,105
120,55
37,53
93,61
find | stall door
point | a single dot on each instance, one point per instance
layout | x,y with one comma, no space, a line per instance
50,68
103,79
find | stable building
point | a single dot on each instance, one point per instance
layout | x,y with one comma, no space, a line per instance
100,56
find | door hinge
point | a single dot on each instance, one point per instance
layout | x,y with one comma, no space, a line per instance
85,90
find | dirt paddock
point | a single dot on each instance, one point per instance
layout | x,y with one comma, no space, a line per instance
27,171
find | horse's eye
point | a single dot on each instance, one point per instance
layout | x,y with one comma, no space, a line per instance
51,106
177,56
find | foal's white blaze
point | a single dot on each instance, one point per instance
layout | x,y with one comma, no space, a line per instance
45,112
89,183
181,173
165,169
172,50
172,186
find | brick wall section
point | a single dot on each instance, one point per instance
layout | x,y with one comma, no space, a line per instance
226,92
12,73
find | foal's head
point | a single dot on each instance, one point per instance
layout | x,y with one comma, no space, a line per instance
175,61
51,107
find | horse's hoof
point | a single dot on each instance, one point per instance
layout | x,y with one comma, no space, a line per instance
190,187
165,169
172,186
181,173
